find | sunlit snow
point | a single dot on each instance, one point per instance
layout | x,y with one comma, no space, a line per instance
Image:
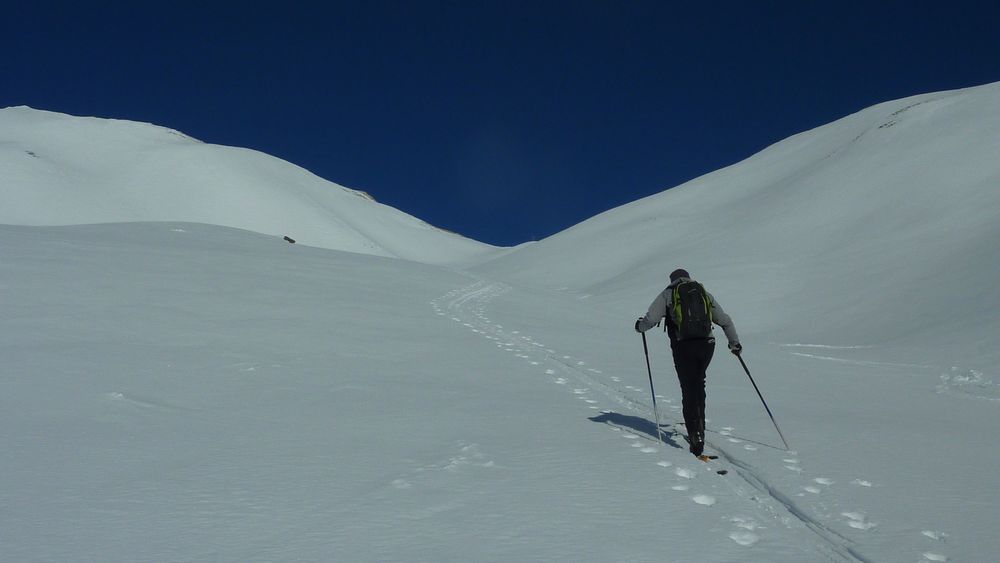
179,383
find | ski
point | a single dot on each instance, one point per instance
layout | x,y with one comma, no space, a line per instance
708,458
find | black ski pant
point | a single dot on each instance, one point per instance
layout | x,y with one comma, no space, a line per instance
691,359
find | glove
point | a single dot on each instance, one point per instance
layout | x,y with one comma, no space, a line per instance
637,323
736,348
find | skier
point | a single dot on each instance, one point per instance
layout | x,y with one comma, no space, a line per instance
689,311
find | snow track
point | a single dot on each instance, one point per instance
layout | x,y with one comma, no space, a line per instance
755,494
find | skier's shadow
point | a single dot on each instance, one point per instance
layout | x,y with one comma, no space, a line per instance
637,424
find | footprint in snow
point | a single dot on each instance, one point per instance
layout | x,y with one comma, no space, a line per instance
858,520
823,481
937,536
813,490
550,372
705,500
664,463
745,539
934,556
748,524
561,381
685,473
680,487
861,483
749,448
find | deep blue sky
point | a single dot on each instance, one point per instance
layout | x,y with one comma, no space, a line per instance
506,120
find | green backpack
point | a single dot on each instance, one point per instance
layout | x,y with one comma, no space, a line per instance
692,311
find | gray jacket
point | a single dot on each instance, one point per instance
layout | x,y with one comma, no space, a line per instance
661,308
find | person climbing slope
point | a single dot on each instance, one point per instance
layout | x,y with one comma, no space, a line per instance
689,312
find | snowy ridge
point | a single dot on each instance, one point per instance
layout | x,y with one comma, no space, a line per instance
63,170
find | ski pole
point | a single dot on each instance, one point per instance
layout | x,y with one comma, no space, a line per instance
746,369
645,348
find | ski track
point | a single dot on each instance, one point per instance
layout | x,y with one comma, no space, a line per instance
467,306
861,362
957,381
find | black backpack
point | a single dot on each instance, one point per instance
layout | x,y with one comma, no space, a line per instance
692,309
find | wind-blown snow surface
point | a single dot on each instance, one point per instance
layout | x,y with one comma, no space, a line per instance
174,391
63,170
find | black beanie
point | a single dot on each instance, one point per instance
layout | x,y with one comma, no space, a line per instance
678,274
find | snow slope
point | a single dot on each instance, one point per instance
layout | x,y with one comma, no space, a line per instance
179,391
880,228
190,392
64,170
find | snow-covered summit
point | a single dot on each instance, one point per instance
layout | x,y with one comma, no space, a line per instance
63,170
